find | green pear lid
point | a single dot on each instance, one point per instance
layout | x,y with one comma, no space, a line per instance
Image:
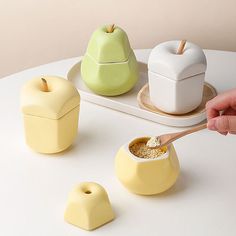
108,47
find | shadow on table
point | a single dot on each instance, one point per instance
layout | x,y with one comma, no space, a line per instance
184,182
81,142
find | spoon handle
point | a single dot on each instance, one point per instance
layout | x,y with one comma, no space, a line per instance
192,130
169,138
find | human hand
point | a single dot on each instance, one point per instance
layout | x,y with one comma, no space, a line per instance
221,113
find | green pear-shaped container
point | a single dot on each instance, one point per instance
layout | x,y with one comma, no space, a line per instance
109,66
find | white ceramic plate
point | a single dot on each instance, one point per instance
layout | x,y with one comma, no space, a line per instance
128,102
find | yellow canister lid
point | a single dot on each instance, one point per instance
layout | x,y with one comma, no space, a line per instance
61,97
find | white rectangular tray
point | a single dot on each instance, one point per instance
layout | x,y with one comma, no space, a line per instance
128,102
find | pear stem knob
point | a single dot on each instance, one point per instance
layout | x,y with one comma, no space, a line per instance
181,46
44,85
110,28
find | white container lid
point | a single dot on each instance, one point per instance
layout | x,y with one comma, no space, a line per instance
163,60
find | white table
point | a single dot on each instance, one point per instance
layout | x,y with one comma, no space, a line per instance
34,187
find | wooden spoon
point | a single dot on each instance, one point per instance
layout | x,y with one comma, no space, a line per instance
166,139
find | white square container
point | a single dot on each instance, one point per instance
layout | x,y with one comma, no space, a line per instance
176,80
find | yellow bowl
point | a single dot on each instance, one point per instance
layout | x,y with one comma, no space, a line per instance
146,176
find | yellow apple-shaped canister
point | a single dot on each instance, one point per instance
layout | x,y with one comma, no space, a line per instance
50,107
146,176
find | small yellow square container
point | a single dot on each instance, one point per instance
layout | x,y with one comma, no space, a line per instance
88,206
50,117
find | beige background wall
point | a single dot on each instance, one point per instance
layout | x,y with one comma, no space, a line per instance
35,32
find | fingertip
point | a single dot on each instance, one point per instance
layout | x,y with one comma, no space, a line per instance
211,124
223,133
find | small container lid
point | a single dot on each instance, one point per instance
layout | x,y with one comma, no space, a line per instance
111,47
163,60
61,98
